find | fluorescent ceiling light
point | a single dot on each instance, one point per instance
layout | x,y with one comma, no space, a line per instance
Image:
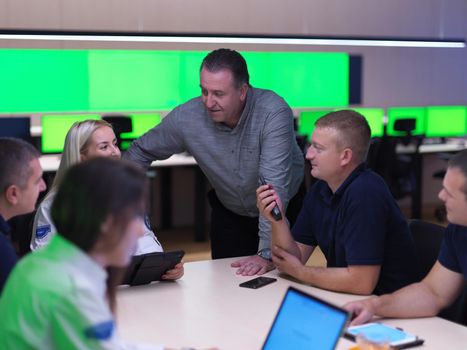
211,39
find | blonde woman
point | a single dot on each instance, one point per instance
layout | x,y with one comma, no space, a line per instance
85,140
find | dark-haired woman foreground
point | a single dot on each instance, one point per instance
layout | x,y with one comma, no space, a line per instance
63,297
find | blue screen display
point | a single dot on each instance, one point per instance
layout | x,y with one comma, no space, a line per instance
304,322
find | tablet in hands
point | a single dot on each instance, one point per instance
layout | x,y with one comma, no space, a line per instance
146,268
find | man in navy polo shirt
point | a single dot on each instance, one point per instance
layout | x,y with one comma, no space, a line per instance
445,281
349,213
20,184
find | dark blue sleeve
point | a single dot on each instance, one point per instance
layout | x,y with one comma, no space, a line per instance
364,221
447,254
302,231
8,259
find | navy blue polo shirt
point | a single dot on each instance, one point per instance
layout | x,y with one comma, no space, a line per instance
360,224
453,252
8,257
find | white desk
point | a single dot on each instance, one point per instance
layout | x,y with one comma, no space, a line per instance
207,308
50,162
451,145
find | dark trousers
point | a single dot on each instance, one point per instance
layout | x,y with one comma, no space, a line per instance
237,235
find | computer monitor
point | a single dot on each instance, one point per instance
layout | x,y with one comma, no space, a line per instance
307,120
375,118
19,127
446,121
397,113
55,127
141,123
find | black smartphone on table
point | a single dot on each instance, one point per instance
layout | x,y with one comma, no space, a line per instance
258,282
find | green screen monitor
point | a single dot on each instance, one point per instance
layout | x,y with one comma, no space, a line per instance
397,113
141,123
446,121
375,118
303,79
307,120
55,128
95,81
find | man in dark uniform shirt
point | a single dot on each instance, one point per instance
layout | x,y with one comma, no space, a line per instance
20,184
349,213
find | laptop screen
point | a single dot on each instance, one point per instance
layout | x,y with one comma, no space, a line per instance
305,322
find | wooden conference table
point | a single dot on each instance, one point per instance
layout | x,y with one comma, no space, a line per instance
207,308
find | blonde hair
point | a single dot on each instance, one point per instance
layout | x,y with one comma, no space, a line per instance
76,142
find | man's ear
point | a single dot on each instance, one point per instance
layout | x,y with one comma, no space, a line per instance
346,156
12,194
243,91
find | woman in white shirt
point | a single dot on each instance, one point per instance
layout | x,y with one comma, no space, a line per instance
85,140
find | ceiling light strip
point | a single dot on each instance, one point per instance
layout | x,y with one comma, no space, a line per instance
238,40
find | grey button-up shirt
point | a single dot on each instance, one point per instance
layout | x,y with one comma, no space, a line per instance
263,142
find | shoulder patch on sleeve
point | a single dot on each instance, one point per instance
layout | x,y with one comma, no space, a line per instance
100,331
42,231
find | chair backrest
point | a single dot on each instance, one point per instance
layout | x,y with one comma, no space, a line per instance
120,124
427,238
21,232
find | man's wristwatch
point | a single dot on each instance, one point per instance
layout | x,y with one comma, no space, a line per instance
265,254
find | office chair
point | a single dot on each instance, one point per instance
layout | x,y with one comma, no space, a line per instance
395,169
21,232
401,171
120,124
428,238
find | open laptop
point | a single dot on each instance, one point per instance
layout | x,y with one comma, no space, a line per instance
305,322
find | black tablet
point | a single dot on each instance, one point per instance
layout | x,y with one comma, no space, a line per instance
146,268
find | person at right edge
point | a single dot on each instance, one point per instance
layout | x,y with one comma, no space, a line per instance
349,213
446,279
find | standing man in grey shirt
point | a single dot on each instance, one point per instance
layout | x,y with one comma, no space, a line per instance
237,134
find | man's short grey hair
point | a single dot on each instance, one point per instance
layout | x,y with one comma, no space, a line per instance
15,158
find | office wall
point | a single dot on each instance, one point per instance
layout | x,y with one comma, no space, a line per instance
392,76
425,18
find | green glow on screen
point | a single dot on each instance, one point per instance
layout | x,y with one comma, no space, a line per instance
55,128
141,123
446,121
396,113
307,120
375,118
304,80
41,81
